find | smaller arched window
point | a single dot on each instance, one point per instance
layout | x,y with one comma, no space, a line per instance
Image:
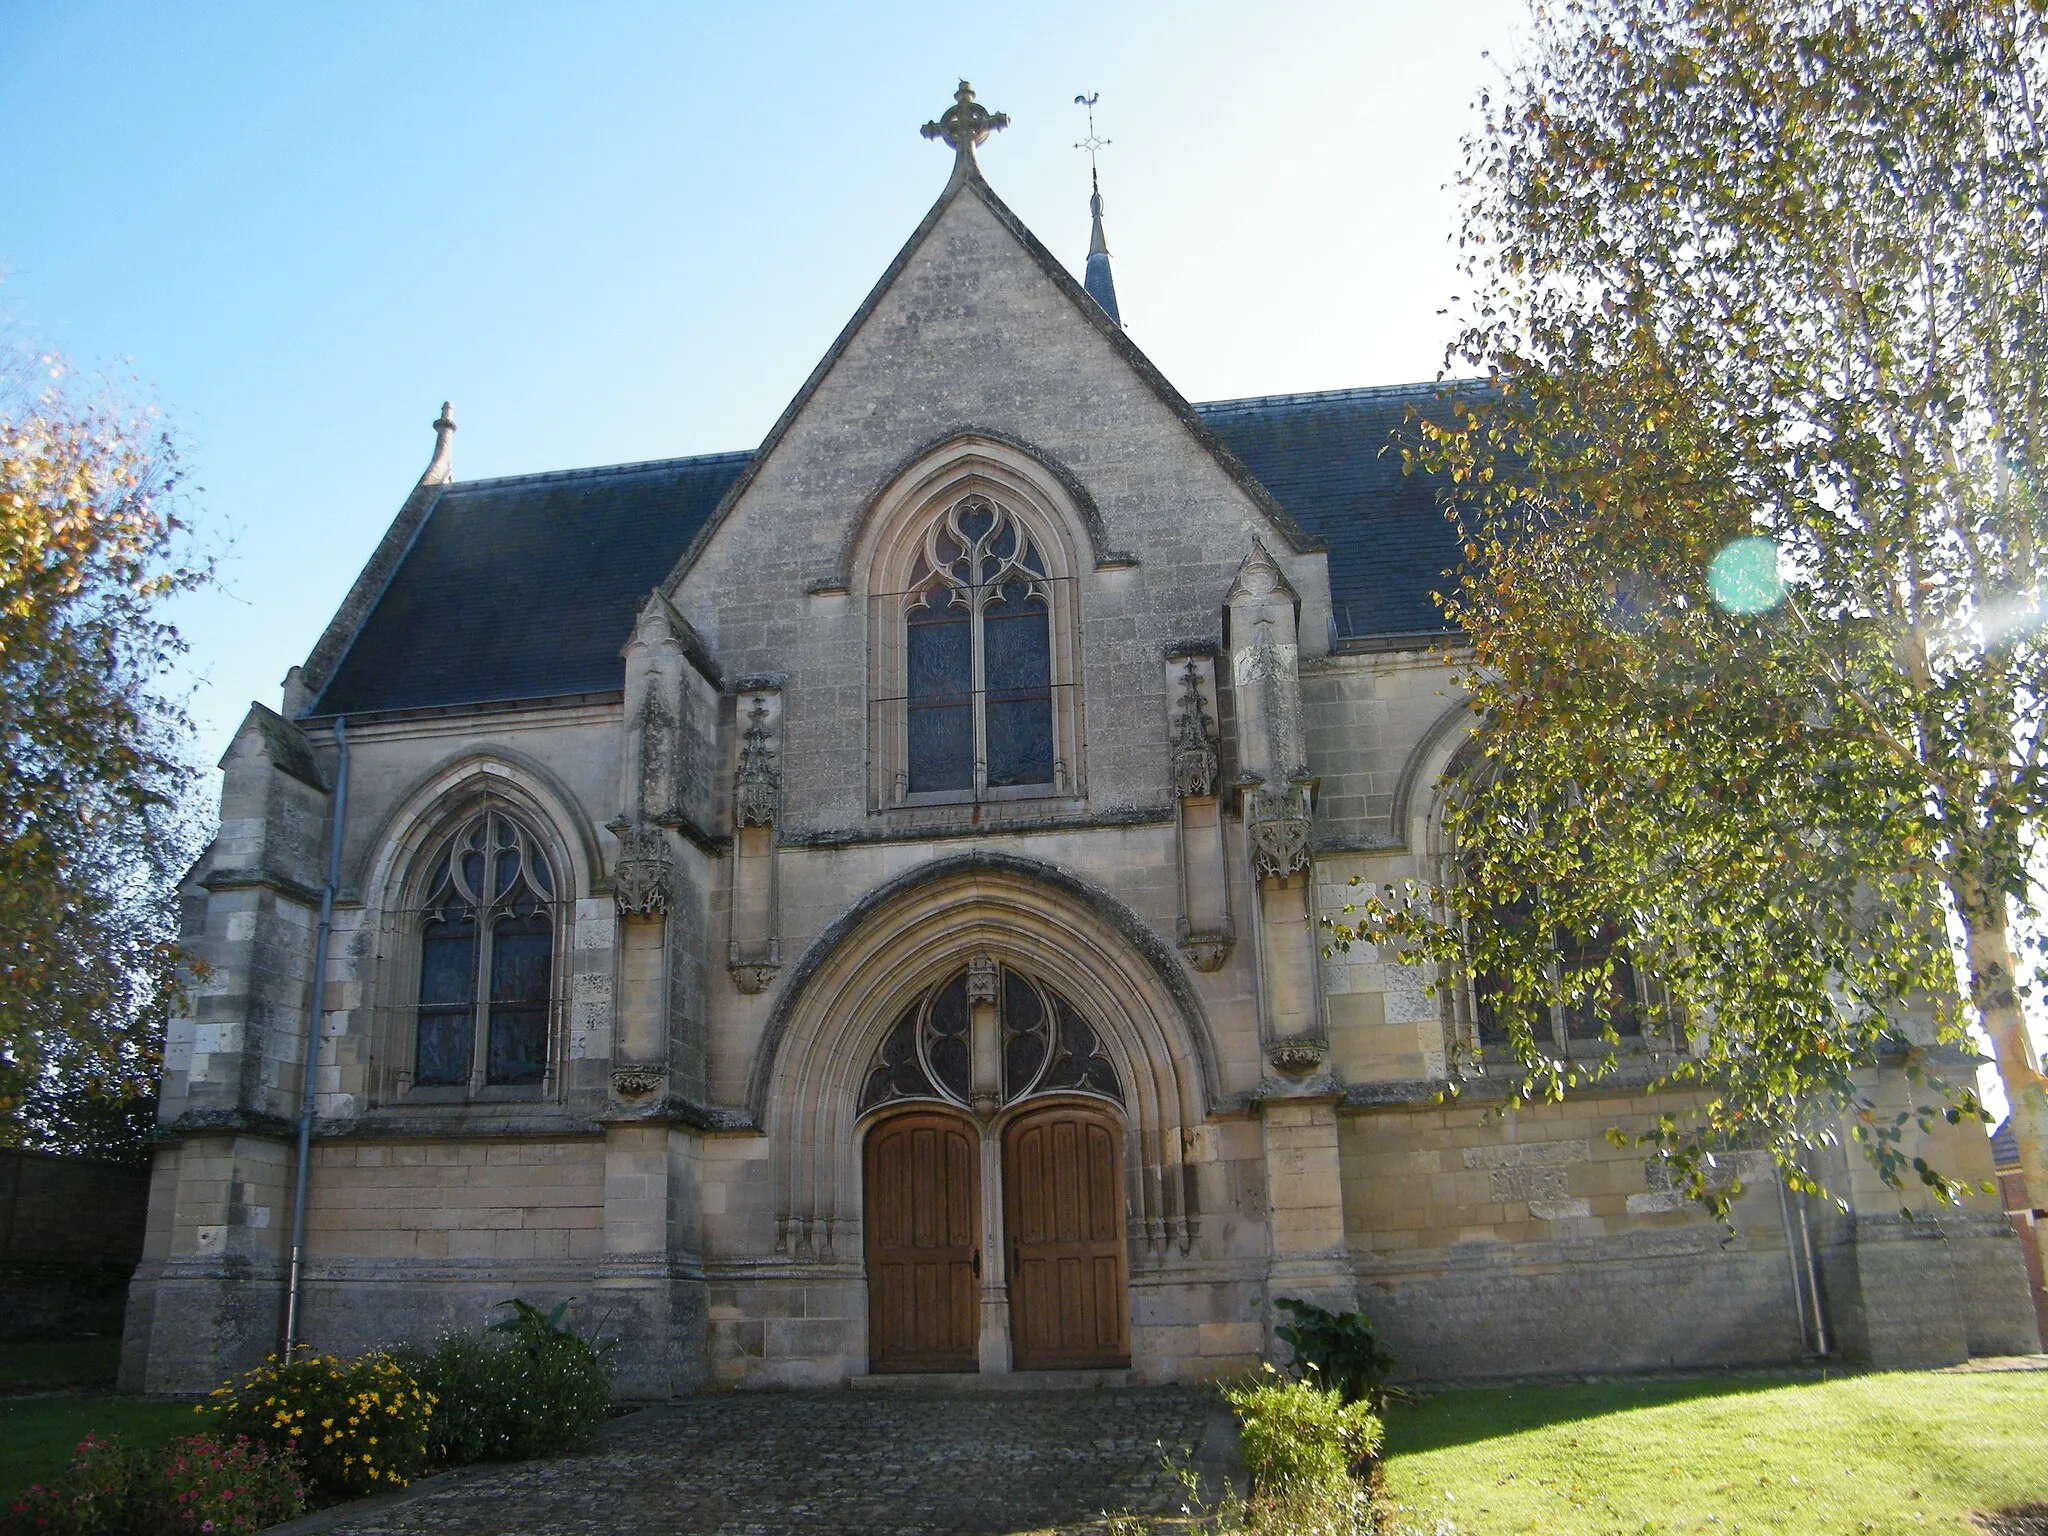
978,656
487,960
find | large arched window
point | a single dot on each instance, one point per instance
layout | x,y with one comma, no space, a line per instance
486,960
977,651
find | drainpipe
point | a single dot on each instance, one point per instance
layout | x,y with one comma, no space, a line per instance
1820,1327
295,1284
1792,1258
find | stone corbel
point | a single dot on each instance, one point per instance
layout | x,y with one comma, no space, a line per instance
643,882
754,943
638,1086
1278,824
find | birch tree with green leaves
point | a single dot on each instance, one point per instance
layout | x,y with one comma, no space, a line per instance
1749,487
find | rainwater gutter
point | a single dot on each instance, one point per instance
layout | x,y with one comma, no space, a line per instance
295,1283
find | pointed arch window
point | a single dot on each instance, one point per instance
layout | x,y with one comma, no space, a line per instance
978,658
487,960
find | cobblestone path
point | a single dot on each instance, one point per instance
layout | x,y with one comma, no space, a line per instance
861,1463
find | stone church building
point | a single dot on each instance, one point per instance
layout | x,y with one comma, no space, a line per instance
851,908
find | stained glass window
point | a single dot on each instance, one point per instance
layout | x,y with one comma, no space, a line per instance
946,1038
978,657
1046,1046
487,932
1018,645
447,996
939,659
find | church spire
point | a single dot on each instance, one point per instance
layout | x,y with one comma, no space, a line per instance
1100,285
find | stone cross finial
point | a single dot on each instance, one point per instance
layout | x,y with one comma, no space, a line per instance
966,123
441,468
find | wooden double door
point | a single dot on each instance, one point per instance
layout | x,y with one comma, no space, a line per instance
1063,1233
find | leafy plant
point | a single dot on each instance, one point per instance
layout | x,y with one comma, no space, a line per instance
193,1485
91,1499
530,1386
358,1428
1341,1348
1298,1437
205,1484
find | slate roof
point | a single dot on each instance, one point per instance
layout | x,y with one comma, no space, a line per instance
1328,459
525,588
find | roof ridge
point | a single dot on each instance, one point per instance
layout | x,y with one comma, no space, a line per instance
636,466
1355,392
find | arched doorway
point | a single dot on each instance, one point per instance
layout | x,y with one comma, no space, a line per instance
1063,1202
997,1043
924,1243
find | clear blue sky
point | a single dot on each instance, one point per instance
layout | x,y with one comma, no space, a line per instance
612,232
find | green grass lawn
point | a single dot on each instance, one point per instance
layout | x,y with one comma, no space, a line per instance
73,1383
37,1433
42,1367
1908,1452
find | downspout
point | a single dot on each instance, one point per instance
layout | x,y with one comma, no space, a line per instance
1820,1327
1792,1258
295,1283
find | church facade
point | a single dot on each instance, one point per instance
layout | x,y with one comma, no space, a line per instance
852,908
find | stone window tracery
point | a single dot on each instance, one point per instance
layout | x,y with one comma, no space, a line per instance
487,936
1046,1046
974,646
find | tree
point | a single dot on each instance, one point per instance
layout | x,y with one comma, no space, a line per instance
1750,492
94,823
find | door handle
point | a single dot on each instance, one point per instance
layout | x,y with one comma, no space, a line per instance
977,1263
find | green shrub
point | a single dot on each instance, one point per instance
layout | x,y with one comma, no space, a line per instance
530,1387
91,1499
204,1484
1299,1438
1341,1348
358,1428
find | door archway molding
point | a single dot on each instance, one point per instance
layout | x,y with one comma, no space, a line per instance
855,980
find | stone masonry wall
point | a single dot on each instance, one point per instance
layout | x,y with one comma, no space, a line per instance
407,1238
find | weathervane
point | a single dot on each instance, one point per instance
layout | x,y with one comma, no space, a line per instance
966,123
1091,143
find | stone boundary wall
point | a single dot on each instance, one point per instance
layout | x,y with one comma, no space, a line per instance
70,1236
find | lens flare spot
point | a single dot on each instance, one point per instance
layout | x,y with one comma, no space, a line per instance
1743,577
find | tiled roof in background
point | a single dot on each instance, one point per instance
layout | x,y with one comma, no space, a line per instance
526,587
1329,459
